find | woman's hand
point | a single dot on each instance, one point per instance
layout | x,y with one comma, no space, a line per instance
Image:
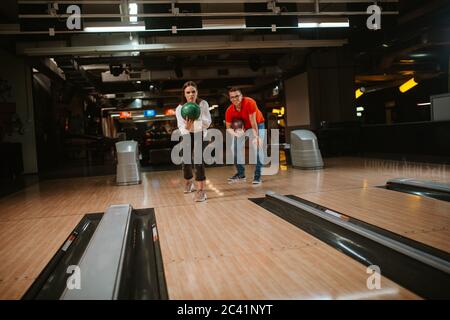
189,125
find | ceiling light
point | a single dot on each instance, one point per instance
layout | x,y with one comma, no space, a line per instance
359,92
408,85
419,55
308,25
133,9
334,24
223,24
323,23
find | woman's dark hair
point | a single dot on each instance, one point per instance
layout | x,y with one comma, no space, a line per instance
189,84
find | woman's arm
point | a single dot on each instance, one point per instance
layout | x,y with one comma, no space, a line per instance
205,114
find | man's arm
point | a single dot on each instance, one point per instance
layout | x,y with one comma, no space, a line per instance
253,123
255,129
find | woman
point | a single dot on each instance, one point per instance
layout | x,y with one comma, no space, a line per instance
195,129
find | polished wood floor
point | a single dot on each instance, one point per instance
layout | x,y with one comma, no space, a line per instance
228,247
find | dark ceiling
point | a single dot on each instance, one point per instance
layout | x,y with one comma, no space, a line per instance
413,42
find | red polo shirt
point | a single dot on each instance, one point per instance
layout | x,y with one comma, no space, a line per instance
248,106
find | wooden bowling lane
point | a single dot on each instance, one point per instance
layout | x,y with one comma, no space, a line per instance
35,221
238,250
79,196
26,246
419,218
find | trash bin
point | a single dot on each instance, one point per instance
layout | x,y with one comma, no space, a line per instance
305,153
128,166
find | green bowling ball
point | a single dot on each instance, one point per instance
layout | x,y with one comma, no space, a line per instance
190,110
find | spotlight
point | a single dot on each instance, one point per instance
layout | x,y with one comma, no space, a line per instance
115,69
359,92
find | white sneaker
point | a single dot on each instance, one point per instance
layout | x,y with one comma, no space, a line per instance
188,188
200,196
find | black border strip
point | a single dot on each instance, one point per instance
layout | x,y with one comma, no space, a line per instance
410,273
142,254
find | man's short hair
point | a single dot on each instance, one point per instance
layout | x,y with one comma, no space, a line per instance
232,89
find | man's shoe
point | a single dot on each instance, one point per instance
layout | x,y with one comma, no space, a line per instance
237,178
257,180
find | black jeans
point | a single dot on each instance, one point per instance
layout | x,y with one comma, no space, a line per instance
199,169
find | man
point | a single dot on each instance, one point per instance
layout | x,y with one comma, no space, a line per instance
245,108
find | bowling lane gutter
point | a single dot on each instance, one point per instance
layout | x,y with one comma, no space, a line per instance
422,269
51,282
142,271
420,188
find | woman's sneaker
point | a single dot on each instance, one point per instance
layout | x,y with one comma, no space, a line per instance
188,188
200,196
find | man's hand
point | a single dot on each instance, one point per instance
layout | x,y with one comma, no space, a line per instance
257,141
239,133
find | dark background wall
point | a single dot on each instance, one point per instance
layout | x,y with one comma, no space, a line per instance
331,83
